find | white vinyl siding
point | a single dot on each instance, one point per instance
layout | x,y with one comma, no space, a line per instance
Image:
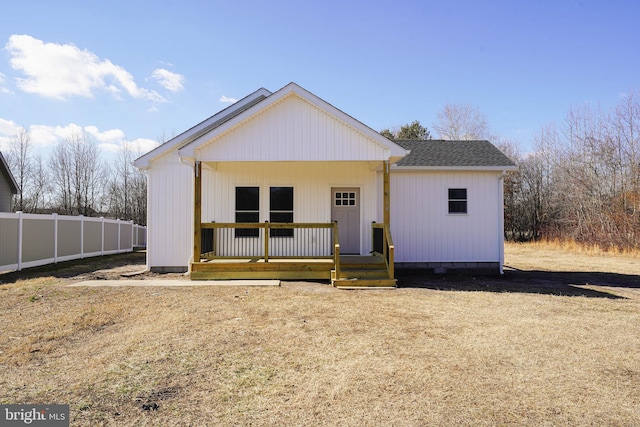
292,130
170,212
424,231
311,182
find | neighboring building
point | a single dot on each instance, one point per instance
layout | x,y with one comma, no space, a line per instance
8,186
289,157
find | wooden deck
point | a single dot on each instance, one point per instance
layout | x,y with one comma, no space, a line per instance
355,271
311,251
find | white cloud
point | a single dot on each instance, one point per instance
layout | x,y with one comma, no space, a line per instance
227,100
64,70
109,147
138,146
8,129
108,136
171,81
45,137
143,145
3,87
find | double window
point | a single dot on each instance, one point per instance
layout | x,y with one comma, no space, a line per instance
248,209
457,200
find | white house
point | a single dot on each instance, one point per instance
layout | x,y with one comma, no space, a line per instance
285,185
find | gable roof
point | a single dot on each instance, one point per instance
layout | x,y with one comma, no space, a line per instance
395,151
4,170
248,107
203,127
453,155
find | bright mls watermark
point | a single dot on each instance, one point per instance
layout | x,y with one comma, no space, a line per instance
34,415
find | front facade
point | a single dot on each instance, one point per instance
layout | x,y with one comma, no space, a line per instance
8,186
301,176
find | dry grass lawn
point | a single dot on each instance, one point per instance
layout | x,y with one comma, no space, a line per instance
553,342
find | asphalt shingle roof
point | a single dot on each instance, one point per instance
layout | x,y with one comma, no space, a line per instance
438,153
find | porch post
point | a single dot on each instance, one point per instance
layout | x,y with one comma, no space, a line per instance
197,210
387,192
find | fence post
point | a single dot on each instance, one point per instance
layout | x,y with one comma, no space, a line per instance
118,251
55,237
102,243
19,240
81,236
132,230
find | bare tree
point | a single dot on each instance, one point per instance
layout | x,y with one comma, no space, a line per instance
462,122
41,188
582,181
126,195
78,175
19,158
60,164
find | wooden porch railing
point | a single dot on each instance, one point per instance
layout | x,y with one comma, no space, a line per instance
283,240
383,245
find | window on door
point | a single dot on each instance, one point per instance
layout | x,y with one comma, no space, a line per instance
281,209
247,210
457,200
345,198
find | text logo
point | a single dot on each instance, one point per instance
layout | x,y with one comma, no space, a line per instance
34,415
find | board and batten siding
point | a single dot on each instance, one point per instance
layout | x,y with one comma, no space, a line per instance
170,221
170,213
424,231
311,182
292,130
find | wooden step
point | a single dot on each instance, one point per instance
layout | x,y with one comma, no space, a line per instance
364,274
363,265
364,283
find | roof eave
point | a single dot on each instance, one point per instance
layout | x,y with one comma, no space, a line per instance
397,168
143,161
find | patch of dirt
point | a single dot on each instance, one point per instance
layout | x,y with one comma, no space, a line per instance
125,266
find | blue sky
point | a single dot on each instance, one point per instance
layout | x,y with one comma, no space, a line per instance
130,71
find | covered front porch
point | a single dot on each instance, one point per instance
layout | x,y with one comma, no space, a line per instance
290,250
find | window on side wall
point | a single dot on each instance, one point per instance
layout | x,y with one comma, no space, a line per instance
281,209
247,210
457,200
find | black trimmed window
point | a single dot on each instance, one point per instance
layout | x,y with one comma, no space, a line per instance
281,209
457,200
247,210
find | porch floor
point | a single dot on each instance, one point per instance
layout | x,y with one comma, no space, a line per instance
355,270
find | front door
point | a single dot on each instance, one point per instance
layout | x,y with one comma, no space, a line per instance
345,208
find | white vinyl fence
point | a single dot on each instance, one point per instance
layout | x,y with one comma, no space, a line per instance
29,240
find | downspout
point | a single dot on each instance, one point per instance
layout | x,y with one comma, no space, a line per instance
192,165
501,221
